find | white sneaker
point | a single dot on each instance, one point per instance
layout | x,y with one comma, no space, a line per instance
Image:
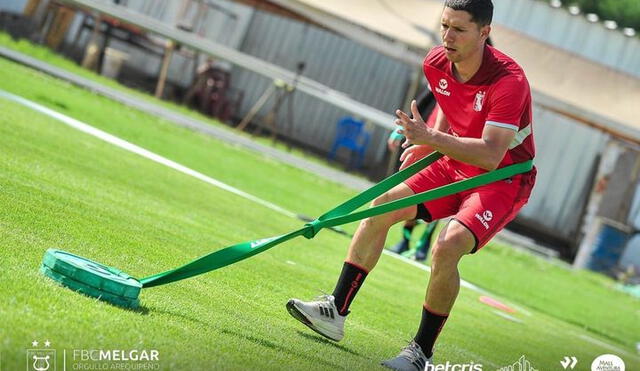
320,315
411,358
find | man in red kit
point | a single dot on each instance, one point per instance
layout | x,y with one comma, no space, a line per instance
483,123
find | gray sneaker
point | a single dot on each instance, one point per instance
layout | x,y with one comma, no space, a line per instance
320,315
411,358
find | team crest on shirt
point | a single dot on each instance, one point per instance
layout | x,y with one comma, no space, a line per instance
477,103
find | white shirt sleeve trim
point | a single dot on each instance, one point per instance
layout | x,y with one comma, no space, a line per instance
503,125
520,137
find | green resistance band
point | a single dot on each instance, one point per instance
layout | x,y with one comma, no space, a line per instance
339,215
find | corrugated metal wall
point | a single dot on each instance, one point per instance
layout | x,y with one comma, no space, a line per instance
225,22
164,10
566,155
631,255
341,64
558,27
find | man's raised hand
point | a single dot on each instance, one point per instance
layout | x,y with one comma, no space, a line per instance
413,128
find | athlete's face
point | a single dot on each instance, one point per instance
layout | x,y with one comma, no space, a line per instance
461,37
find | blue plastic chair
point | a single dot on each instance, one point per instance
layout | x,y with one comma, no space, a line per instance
351,134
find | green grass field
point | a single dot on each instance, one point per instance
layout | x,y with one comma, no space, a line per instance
60,188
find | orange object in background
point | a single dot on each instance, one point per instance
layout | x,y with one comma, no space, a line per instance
496,304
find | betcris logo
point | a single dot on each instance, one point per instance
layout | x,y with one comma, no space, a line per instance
471,366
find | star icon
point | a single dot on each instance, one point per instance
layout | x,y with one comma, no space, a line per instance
34,343
47,343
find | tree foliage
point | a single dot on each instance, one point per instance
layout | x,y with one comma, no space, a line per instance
625,12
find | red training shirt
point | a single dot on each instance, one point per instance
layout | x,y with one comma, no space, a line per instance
498,94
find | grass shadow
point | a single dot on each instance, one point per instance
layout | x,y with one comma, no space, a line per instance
322,340
253,338
43,99
277,347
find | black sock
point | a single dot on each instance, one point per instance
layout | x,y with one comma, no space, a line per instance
349,283
406,232
429,330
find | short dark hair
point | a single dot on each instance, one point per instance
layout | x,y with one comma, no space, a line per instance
481,10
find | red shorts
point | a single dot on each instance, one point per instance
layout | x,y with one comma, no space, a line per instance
483,210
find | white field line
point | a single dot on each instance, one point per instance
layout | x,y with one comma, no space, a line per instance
463,283
85,128
606,345
88,129
506,316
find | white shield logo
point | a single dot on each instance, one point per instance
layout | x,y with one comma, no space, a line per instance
477,103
